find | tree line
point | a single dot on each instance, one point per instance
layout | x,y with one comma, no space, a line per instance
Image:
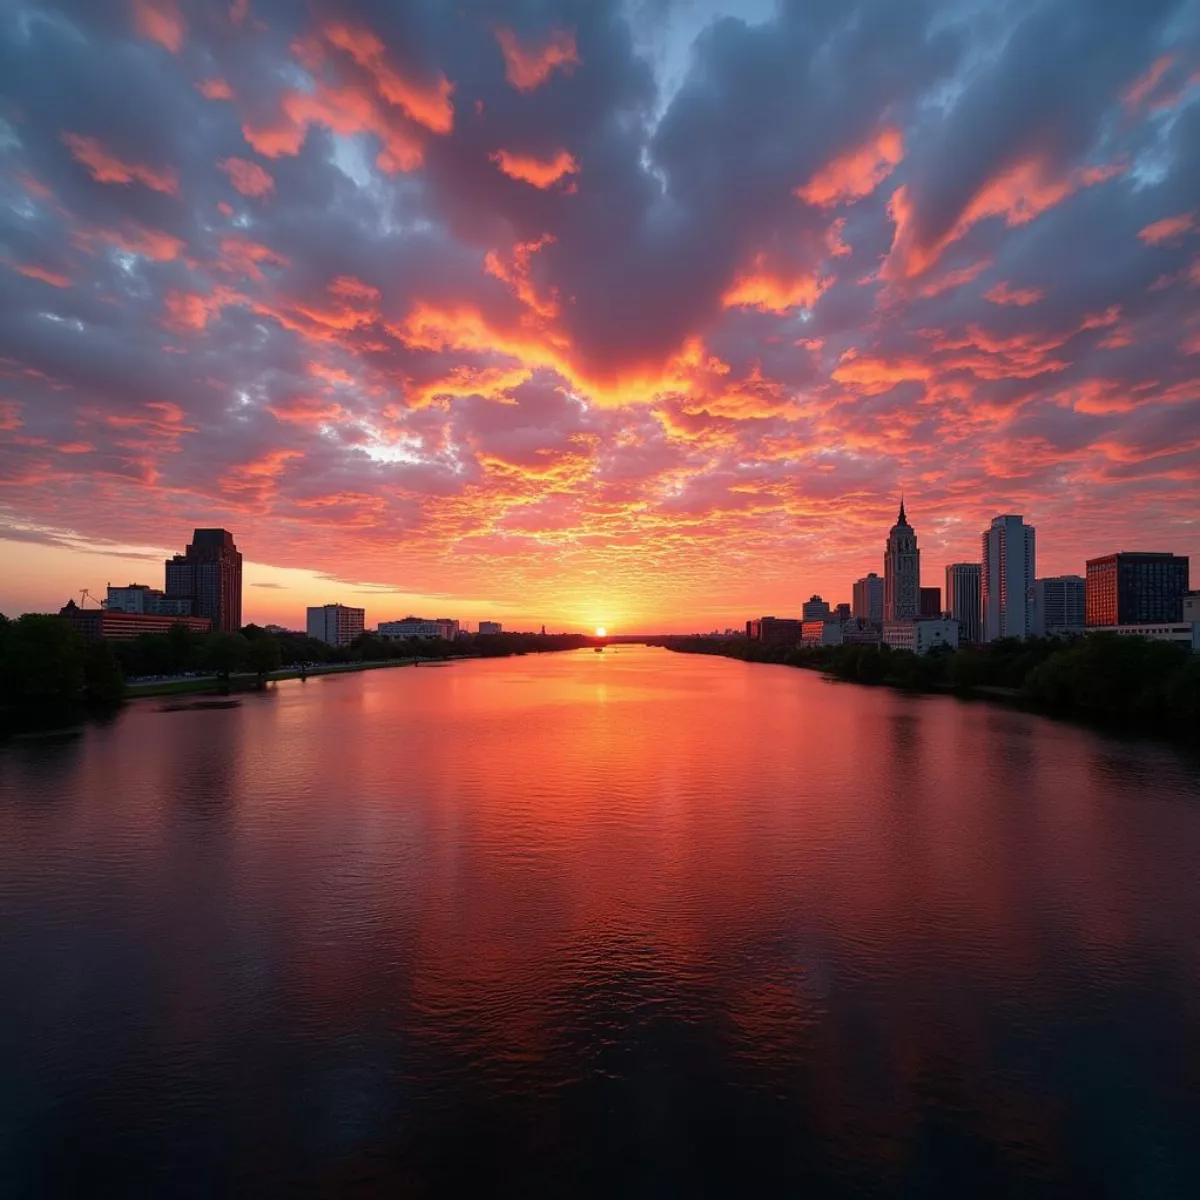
1120,682
48,671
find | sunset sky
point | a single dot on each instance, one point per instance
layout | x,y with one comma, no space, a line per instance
639,314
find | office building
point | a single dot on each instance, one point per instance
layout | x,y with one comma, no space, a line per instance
821,633
920,637
489,627
901,572
335,624
419,627
1191,607
1181,633
842,613
964,602
1007,576
141,598
931,603
815,609
1136,589
115,625
209,575
868,599
859,632
1058,606
774,631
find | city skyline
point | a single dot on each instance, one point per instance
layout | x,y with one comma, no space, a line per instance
449,309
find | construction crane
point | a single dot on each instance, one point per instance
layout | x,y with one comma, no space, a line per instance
85,595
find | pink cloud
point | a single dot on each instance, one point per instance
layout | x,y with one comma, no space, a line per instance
106,167
161,22
857,173
248,177
529,66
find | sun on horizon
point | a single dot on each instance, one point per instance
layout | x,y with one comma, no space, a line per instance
601,631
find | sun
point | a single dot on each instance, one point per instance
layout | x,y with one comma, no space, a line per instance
601,631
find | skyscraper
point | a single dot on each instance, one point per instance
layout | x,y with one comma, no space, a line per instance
335,624
1058,606
964,601
1007,578
210,575
901,572
1136,589
931,603
868,599
815,609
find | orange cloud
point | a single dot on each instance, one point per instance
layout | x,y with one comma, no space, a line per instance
1167,229
538,172
873,375
53,278
954,279
247,177
1022,297
108,168
528,67
857,173
215,89
346,110
193,310
1018,194
242,256
257,481
426,103
516,274
133,239
768,291
75,448
161,22
1141,87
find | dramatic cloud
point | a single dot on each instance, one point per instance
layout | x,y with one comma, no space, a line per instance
593,312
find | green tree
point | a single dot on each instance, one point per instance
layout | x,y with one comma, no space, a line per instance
104,685
265,656
41,662
227,653
183,643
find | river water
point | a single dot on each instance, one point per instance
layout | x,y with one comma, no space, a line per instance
622,924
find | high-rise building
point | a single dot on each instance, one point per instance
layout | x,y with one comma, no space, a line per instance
1058,605
209,574
335,624
775,631
901,572
1007,576
490,628
931,603
141,598
815,609
868,599
1136,589
964,602
842,613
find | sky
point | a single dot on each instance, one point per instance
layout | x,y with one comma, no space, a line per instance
579,312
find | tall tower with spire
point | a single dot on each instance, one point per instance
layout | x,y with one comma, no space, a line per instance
901,572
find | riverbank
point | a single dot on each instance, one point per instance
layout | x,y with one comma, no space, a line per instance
1120,684
248,681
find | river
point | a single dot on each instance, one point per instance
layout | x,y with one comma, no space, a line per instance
631,923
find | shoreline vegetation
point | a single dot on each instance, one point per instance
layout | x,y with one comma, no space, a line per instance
50,677
1119,684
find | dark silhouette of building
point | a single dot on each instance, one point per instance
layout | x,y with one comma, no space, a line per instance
210,574
775,631
931,603
1135,589
964,600
111,624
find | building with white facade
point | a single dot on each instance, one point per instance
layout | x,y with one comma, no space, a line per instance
1058,606
1182,633
867,599
1007,576
920,636
335,624
964,601
419,627
821,633
901,572
1191,606
490,627
141,598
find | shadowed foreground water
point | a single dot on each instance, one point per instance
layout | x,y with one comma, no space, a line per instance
623,924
